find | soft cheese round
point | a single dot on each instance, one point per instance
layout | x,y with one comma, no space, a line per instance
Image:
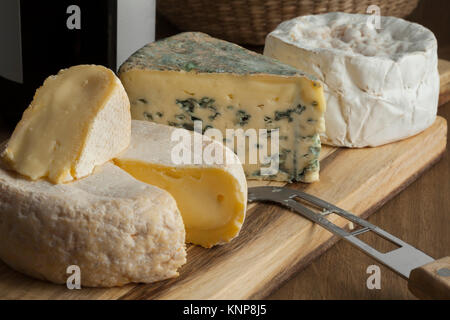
211,194
380,85
116,229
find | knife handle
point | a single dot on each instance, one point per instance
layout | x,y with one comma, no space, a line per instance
431,281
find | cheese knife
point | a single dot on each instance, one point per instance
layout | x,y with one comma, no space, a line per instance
427,278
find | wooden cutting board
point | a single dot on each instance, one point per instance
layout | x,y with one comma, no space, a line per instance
274,243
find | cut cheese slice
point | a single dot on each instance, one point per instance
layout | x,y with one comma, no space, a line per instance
114,228
77,120
192,76
212,198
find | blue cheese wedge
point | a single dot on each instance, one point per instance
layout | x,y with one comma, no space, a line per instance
192,76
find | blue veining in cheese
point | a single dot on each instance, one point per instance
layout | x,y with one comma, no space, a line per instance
192,76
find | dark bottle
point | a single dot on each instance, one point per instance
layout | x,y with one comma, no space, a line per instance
38,38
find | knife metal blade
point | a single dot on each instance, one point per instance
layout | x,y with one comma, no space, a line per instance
401,260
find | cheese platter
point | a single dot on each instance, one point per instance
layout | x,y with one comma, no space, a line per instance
273,243
133,241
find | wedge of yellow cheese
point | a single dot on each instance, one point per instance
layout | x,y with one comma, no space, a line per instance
212,198
78,119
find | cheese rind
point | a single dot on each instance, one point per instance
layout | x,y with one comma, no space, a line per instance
192,76
212,198
380,85
116,229
77,120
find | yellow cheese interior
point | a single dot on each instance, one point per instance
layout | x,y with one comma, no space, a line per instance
156,96
48,140
209,199
263,94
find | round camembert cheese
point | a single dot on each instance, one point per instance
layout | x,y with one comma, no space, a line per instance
381,85
116,229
